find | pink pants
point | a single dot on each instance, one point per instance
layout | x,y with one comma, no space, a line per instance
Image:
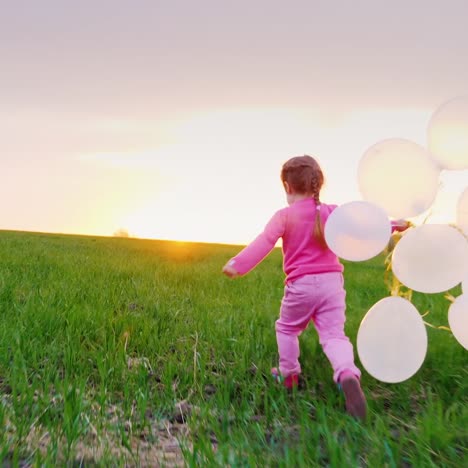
320,298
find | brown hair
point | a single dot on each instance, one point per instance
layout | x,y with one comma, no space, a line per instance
304,175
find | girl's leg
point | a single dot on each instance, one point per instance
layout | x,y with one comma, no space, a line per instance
288,349
295,314
329,319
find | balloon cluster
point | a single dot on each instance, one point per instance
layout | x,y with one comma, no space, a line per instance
400,179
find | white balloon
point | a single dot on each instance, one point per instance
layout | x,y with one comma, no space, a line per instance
431,258
462,211
392,340
400,176
458,319
448,134
357,231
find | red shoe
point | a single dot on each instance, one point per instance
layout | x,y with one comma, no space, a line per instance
355,400
290,382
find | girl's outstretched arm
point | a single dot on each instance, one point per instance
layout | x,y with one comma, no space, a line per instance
257,250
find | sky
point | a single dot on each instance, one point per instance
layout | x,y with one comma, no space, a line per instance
171,119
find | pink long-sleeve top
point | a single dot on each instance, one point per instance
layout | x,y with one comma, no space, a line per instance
302,254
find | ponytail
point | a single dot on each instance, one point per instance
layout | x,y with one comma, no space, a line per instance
318,232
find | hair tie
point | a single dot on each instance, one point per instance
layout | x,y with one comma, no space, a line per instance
318,207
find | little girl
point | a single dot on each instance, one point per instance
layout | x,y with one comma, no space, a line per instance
314,281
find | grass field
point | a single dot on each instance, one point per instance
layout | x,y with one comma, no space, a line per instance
135,352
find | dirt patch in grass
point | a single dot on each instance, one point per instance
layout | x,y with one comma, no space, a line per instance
104,436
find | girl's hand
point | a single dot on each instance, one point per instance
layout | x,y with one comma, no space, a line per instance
229,271
401,225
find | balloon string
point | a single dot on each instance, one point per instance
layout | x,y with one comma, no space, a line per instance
449,297
441,327
395,286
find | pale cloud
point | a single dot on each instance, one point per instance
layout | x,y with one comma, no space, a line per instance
49,134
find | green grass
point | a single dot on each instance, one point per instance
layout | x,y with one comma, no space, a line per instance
128,352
